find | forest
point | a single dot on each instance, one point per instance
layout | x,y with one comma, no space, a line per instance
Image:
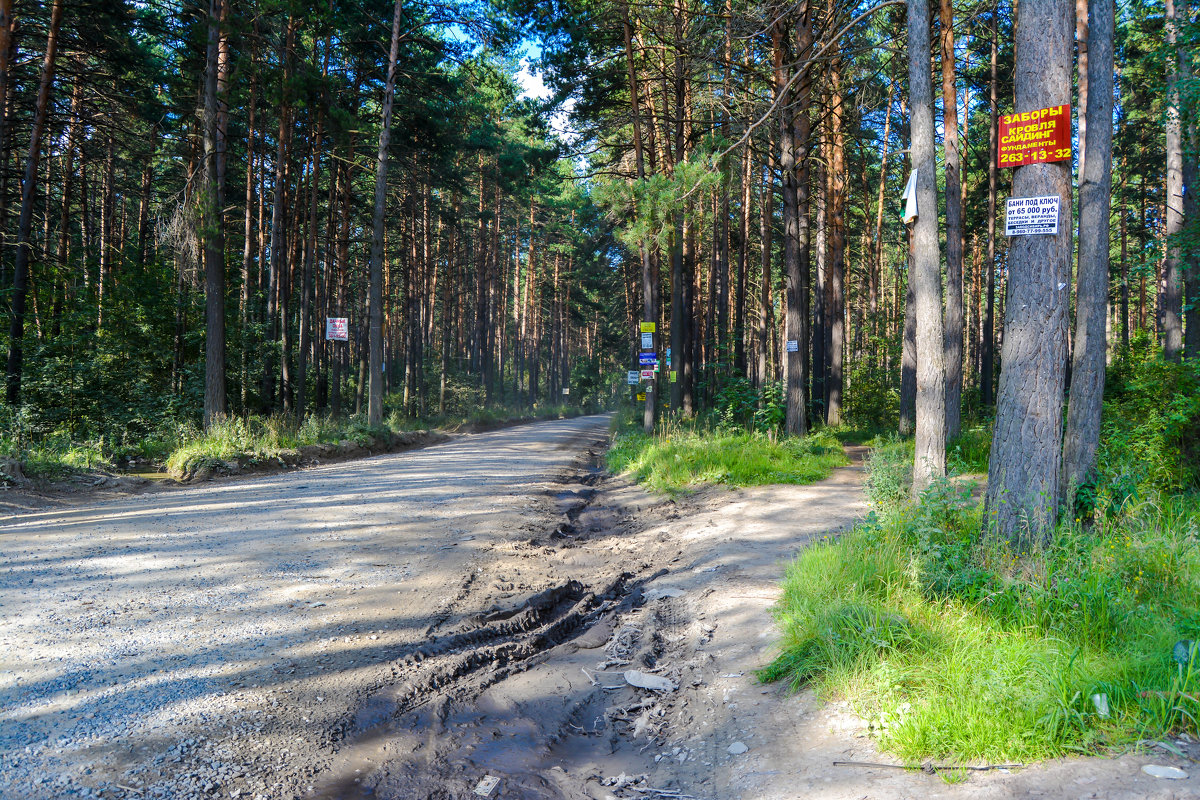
191,190
963,233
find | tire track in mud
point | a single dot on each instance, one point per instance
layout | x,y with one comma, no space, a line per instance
399,731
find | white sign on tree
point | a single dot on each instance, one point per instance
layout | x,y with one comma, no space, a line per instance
337,329
1028,216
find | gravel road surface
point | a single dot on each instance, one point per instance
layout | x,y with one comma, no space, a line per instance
212,641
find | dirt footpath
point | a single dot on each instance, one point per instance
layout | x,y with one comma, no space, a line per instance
491,617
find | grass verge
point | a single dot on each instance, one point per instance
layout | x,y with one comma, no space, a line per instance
953,647
182,447
679,458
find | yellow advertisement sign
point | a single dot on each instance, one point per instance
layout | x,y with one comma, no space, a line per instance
641,397
647,327
673,373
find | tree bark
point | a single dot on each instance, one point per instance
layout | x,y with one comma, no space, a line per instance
375,313
954,228
925,276
1025,464
1091,304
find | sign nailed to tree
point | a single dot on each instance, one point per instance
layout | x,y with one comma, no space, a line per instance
337,329
1035,137
1030,216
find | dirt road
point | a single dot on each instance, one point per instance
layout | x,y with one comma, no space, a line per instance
221,638
423,624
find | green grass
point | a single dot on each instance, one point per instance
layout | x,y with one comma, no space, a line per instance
678,459
260,438
955,648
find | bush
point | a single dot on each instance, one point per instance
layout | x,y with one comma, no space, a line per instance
1150,437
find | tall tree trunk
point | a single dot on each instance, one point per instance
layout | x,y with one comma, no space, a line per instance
1091,314
766,309
930,456
835,312
278,234
1172,296
213,226
954,229
1025,463
375,313
987,356
248,241
7,52
796,228
877,256
310,255
649,290
908,361
24,225
1191,217
740,328
679,346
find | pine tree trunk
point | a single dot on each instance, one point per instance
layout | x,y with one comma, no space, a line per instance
766,309
835,311
213,226
908,359
954,229
1026,456
1091,315
925,276
278,234
987,357
375,312
247,239
25,223
1191,216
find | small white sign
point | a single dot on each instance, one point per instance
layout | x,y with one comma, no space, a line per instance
631,377
793,346
566,391
337,329
1029,216
647,341
647,374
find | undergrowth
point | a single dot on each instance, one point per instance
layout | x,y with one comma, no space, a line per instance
954,647
681,455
